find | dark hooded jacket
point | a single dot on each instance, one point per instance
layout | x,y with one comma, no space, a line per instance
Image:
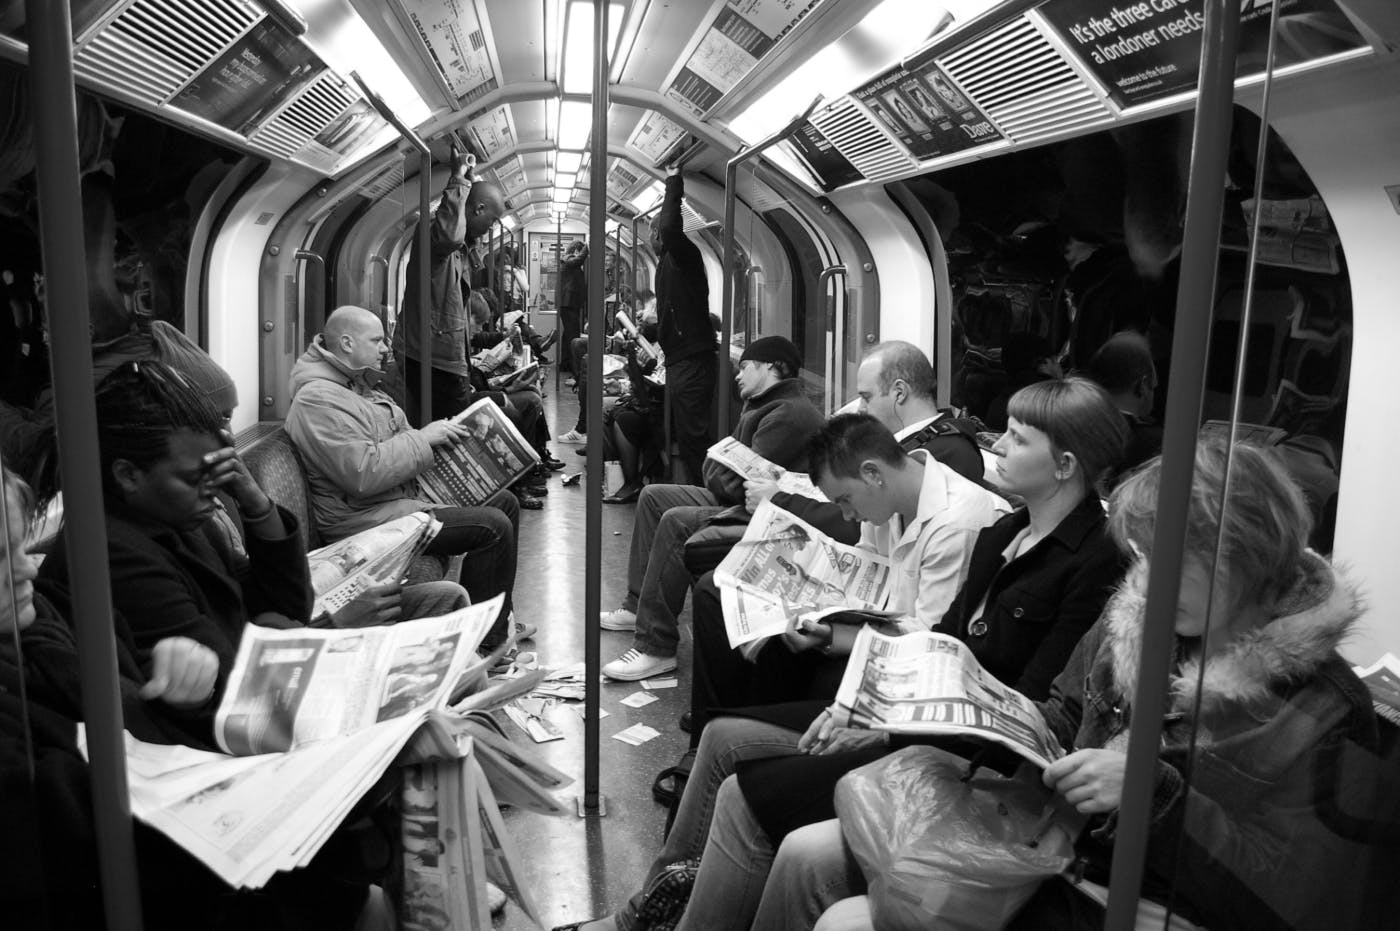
682,292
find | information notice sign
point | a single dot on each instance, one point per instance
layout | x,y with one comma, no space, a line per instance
830,167
927,112
1147,49
240,88
742,33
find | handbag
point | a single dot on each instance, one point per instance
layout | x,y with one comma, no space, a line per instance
945,848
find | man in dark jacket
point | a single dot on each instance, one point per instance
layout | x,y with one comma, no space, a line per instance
686,334
573,297
776,422
466,211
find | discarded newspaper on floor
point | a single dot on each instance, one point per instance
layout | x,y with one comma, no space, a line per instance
341,572
784,569
931,684
471,469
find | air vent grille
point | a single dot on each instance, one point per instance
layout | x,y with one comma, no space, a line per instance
154,47
866,146
386,182
1019,80
760,197
310,112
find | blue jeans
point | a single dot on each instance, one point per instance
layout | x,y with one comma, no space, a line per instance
725,743
733,869
657,578
814,870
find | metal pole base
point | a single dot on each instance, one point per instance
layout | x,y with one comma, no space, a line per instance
583,811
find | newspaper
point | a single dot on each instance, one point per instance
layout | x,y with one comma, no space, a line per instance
1383,679
929,683
343,703
342,571
784,568
732,454
292,687
646,349
471,470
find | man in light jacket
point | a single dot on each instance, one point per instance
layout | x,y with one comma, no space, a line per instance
363,460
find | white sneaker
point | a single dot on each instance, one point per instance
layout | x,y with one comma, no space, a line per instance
574,437
495,898
634,665
621,619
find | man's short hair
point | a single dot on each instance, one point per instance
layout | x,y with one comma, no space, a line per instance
1121,362
846,441
901,361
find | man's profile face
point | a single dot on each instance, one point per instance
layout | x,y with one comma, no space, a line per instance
366,346
878,404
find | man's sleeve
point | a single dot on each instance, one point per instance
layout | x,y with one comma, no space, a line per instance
343,447
942,568
449,227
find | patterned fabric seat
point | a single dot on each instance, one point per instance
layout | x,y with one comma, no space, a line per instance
276,466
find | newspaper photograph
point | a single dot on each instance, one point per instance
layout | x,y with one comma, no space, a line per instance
785,568
292,687
731,453
473,469
929,683
341,572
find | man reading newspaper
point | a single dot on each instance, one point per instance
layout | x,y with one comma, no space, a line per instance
918,518
364,463
775,423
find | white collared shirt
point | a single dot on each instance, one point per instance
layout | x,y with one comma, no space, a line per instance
931,555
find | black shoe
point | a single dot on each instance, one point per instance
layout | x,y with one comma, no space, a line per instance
548,461
527,501
686,722
542,359
624,495
548,340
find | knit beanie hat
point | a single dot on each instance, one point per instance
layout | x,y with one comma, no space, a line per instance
179,352
773,349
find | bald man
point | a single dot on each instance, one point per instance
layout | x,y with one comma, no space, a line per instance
363,460
465,212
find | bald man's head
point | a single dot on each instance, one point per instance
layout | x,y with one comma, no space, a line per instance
356,337
484,207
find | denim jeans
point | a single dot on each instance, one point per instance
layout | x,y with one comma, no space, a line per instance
485,536
733,868
725,743
657,578
814,870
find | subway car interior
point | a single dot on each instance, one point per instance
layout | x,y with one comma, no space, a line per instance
1003,188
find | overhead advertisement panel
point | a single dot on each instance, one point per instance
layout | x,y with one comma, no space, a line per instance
491,130
927,111
451,31
742,33
1146,49
655,135
258,72
826,163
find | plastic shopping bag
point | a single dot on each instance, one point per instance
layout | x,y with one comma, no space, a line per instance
941,852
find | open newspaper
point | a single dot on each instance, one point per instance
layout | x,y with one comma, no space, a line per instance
313,718
474,468
734,455
1382,678
929,683
646,349
342,571
784,570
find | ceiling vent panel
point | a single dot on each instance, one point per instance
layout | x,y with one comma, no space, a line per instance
867,146
300,121
1024,85
154,47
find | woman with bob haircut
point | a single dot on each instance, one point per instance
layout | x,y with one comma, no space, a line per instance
1262,707
1037,580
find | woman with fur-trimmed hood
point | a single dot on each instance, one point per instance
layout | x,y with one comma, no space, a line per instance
1241,834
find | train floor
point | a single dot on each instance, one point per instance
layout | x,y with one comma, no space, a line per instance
583,867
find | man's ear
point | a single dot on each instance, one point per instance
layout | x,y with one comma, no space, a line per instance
872,472
1140,389
899,391
127,476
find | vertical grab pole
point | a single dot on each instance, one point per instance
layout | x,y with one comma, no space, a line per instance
617,267
61,235
425,286
560,344
597,233
1190,344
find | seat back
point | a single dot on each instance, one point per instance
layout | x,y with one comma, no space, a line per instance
276,466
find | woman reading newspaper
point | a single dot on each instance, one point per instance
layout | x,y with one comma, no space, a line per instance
48,871
1060,571
1262,711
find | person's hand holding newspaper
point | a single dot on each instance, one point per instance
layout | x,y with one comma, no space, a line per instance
831,733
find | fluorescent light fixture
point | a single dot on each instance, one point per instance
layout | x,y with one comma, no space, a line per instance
568,162
551,117
577,59
565,180
508,222
649,196
881,38
575,124
551,41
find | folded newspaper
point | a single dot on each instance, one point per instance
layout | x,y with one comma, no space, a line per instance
929,683
784,569
474,468
312,719
1382,678
731,453
342,571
